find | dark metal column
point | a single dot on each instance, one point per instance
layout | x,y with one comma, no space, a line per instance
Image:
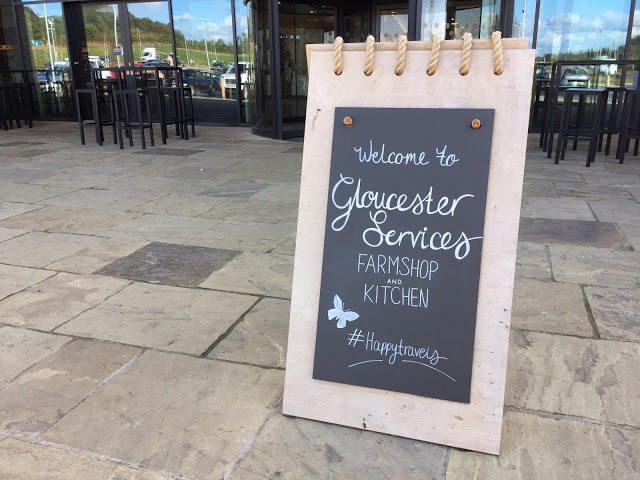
276,80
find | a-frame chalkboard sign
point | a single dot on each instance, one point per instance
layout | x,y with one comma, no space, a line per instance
407,232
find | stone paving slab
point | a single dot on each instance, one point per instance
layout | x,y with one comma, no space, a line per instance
11,209
158,316
592,192
85,221
261,337
7,233
57,300
44,393
250,210
539,189
77,180
532,261
632,233
101,252
558,208
258,274
19,349
572,232
253,237
281,192
13,279
33,193
39,249
550,307
170,264
612,180
294,448
615,211
101,199
184,205
235,189
595,266
137,184
162,228
25,461
574,376
616,312
286,246
535,447
167,412
19,174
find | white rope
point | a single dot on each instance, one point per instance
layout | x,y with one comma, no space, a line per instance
337,55
402,52
368,63
435,54
498,60
466,53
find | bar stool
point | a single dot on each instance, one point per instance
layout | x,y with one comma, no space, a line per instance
4,111
189,116
170,116
125,101
94,119
630,127
611,120
576,131
107,107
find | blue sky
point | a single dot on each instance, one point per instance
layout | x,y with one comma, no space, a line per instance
577,25
187,14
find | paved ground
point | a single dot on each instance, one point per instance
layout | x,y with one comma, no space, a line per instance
144,312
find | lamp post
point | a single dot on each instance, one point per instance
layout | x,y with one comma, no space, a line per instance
115,29
204,34
46,22
52,27
524,16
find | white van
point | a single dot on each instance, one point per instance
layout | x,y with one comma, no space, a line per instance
150,53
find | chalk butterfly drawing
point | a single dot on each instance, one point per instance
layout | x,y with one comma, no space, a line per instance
339,313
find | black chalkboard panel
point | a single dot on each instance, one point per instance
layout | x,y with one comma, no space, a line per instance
402,250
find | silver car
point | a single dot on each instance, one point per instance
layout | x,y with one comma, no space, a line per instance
575,77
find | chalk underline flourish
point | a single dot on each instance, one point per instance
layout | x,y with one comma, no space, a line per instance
429,366
407,361
366,361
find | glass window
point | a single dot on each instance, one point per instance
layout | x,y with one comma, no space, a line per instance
453,18
589,30
524,18
393,22
47,59
204,43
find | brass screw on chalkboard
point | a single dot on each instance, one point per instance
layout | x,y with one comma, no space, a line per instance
348,121
475,124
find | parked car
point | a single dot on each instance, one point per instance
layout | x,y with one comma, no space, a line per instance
95,62
230,75
575,77
200,83
155,63
543,72
218,65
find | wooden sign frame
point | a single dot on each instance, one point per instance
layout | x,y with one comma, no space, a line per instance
478,424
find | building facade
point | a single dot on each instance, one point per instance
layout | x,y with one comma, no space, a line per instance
245,59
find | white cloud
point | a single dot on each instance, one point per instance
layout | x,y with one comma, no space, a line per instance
183,17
